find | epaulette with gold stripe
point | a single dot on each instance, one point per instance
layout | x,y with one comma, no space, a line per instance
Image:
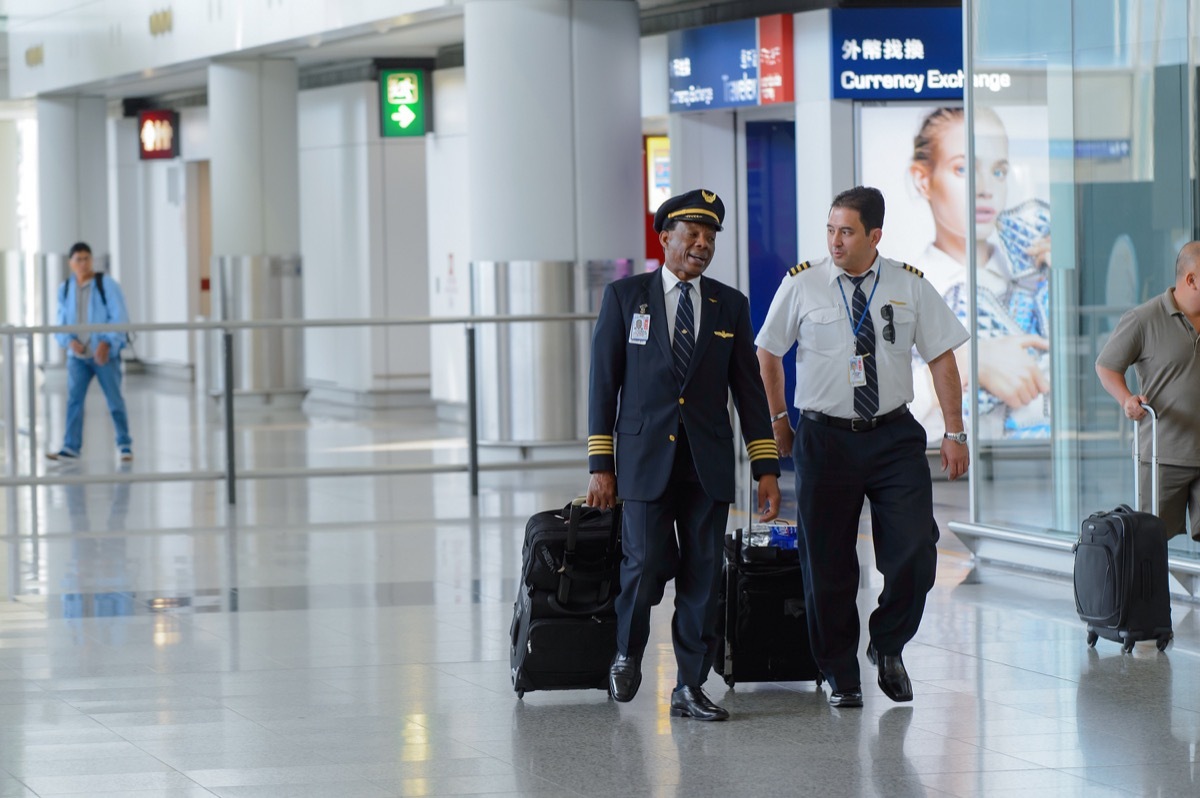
799,267
762,449
913,269
600,445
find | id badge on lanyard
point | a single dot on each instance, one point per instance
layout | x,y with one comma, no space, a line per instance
857,371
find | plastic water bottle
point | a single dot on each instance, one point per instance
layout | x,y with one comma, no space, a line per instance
783,536
760,535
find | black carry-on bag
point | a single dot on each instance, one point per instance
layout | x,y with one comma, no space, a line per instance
761,622
1122,586
564,627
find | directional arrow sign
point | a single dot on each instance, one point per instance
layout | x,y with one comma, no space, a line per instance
402,97
404,116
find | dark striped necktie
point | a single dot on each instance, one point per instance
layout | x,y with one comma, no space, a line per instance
685,332
866,397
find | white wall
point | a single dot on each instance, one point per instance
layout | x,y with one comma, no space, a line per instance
703,156
449,233
148,232
654,80
363,241
824,134
85,41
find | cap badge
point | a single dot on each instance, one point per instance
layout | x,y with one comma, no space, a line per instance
708,196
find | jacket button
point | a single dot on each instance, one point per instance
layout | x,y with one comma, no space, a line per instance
671,438
681,400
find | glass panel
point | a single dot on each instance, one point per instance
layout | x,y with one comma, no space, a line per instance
1082,225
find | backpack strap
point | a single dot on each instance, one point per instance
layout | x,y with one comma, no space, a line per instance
100,288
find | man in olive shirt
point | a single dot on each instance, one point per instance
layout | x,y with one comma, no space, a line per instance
1159,339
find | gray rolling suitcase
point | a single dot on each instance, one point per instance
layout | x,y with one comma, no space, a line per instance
1122,585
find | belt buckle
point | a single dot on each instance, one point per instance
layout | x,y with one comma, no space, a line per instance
856,422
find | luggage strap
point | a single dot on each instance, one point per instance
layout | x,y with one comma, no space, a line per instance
574,513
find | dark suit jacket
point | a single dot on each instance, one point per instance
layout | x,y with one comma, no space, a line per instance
636,394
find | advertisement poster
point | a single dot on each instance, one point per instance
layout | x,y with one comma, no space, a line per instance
915,154
658,171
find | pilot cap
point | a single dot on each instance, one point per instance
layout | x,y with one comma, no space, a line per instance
699,205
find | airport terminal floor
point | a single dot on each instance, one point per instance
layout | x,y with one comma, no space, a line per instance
348,637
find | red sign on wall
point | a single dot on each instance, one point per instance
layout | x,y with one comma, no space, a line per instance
158,135
775,70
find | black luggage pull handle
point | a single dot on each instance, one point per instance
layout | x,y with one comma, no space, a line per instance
574,513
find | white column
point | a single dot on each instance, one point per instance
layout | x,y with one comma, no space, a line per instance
554,129
255,188
702,156
825,153
9,184
72,174
11,311
255,183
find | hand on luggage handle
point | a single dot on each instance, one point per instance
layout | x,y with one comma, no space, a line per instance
1137,460
581,501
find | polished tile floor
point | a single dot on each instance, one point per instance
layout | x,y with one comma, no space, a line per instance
348,637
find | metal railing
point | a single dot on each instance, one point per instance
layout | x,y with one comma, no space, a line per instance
230,474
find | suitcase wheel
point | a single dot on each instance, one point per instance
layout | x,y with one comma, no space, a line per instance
820,679
1163,642
730,681
1092,638
520,694
1128,646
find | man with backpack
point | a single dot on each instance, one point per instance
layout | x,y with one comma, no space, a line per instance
91,298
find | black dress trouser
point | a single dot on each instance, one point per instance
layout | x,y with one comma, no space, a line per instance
681,534
835,470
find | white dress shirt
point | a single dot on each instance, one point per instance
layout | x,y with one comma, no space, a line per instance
809,307
671,298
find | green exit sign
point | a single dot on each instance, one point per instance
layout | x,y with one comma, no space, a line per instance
402,102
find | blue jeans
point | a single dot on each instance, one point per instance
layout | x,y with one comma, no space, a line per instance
79,377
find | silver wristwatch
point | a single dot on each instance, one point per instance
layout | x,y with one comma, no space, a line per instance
957,437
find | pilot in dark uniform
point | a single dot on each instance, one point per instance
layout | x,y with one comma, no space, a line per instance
670,347
857,316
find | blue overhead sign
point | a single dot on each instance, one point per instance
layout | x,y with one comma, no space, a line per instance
713,67
899,54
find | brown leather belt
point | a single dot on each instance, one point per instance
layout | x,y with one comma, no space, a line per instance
855,424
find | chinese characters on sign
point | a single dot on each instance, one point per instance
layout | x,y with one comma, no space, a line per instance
886,49
902,53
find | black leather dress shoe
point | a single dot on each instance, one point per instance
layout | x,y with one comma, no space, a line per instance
624,677
691,702
893,678
844,699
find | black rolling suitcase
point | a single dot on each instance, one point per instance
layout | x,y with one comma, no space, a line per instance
564,627
761,623
1122,586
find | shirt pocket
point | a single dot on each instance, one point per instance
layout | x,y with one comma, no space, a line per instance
824,329
905,322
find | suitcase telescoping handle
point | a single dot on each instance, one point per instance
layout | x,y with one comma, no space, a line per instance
1137,461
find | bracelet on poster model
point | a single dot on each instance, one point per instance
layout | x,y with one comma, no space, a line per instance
779,415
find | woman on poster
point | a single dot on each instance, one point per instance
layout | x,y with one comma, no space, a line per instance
1012,250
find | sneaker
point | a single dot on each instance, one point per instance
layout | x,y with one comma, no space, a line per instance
62,454
126,454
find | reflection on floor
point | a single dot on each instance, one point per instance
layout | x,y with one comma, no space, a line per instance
349,637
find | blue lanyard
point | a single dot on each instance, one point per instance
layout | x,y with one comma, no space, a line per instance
866,310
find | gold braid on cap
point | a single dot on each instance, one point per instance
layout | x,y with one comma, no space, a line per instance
702,211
